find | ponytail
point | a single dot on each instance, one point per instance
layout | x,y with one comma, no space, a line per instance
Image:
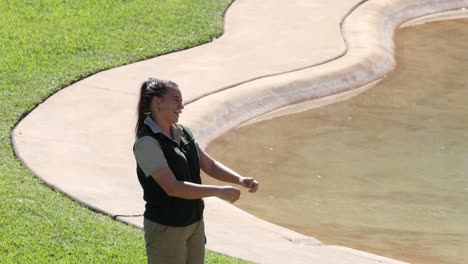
141,109
149,89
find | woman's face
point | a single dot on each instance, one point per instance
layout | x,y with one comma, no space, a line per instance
169,106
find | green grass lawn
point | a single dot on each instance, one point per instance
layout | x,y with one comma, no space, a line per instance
46,45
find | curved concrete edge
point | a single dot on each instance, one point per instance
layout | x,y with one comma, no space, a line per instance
322,101
369,33
439,16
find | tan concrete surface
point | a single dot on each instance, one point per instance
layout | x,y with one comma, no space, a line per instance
271,55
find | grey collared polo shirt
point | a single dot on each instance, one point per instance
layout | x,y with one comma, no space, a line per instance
148,152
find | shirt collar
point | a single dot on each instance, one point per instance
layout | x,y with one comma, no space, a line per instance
175,128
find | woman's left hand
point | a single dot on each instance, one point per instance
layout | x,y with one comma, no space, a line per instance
249,183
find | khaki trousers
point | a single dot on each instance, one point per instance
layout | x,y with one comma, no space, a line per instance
175,245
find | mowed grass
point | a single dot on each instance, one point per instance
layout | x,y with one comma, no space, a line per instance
44,46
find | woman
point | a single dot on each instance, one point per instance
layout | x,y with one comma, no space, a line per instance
168,167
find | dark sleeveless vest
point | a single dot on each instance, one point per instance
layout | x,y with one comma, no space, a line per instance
184,162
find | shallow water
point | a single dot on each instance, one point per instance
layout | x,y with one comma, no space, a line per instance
385,171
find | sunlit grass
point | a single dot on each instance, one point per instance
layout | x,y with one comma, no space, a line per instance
45,45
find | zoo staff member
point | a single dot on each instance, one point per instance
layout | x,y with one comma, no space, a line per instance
168,167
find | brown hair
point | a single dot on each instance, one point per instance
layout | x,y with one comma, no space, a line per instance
149,89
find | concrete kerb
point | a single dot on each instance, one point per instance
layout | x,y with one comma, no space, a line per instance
235,85
310,104
369,33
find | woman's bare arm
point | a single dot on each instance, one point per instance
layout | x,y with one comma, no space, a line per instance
189,190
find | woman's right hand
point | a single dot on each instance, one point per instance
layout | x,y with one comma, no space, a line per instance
229,193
